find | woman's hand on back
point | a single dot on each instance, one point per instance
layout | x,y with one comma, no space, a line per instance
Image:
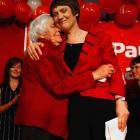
34,50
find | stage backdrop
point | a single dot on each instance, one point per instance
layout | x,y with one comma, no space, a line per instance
126,42
11,43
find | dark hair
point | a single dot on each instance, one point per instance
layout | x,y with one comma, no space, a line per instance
73,4
10,63
135,60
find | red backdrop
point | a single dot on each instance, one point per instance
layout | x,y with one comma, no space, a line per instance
11,44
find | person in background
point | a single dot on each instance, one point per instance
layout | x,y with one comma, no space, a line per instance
133,99
81,51
9,94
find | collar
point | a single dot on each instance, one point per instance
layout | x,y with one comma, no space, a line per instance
90,41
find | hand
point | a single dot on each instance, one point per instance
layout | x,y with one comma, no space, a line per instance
104,71
34,50
122,114
15,99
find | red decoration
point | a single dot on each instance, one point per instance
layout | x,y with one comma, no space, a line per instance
127,1
137,4
23,12
46,2
34,4
20,1
6,8
90,13
127,15
40,10
110,6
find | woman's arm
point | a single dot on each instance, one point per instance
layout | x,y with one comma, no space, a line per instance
34,50
116,82
6,106
52,77
58,80
55,78
108,56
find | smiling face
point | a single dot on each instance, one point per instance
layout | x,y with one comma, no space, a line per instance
15,71
64,18
51,33
136,71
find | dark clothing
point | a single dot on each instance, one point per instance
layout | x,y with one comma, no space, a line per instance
8,130
72,53
86,115
133,98
34,133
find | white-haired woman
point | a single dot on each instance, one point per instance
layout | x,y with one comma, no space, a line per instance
42,113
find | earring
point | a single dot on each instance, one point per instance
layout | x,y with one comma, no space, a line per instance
77,15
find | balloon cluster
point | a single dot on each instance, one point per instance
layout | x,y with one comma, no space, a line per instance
24,10
125,12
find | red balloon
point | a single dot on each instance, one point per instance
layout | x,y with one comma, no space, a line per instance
127,1
23,12
46,2
40,10
110,6
20,1
126,15
6,8
137,4
90,13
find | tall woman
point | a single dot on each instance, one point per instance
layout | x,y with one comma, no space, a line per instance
87,50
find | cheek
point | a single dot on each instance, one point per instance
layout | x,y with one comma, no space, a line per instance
139,72
58,39
57,25
55,19
19,71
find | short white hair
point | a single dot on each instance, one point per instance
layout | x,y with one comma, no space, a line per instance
38,26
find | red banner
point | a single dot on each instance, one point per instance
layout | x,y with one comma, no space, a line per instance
126,42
